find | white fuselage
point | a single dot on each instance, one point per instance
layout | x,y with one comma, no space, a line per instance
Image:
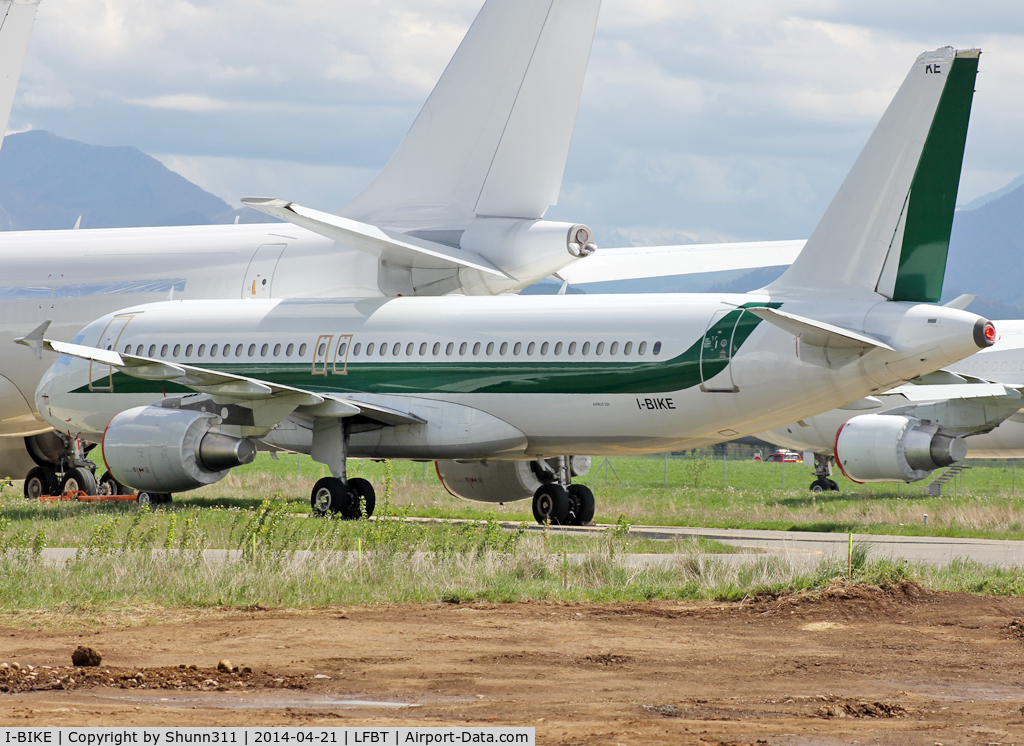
568,374
1002,363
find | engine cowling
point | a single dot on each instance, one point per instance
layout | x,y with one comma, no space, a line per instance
170,450
501,481
887,448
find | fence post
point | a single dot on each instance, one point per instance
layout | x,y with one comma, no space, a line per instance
664,481
725,461
783,472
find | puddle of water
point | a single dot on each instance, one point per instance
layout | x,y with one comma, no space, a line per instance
255,701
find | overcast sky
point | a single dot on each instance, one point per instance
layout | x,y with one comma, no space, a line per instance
700,120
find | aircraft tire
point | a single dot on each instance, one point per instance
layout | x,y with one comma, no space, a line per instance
110,486
820,485
832,485
551,504
329,495
79,479
581,505
361,499
41,480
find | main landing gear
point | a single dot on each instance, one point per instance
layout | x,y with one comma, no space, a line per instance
823,474
337,494
557,501
61,467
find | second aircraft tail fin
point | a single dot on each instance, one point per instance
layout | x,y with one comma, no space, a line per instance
887,230
16,20
493,137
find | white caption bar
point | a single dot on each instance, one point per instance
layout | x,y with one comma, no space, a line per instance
263,736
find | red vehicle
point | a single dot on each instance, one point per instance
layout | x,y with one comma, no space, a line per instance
784,457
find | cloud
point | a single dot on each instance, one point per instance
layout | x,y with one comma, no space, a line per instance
699,118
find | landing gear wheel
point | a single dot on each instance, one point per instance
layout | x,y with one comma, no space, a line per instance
150,499
41,480
820,485
110,486
361,499
551,504
581,505
79,479
832,485
329,496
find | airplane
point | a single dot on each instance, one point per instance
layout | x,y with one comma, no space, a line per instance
458,208
503,391
974,405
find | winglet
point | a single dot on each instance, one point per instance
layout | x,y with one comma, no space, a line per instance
34,339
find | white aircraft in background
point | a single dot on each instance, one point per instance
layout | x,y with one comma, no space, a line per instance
459,208
974,406
180,392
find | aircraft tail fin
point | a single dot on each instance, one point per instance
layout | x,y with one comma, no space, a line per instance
16,20
493,137
887,230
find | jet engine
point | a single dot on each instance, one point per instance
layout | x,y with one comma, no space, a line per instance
502,481
886,448
170,450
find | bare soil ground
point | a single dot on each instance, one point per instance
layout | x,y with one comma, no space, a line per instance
854,664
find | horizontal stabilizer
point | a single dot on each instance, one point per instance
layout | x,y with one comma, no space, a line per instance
818,333
937,392
634,263
392,247
229,385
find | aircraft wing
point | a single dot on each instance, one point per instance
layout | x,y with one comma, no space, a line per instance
251,392
638,262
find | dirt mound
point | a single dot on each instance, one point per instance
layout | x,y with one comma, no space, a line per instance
183,677
844,593
858,709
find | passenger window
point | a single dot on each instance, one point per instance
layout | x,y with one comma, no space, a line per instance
450,348
290,348
423,349
626,348
252,350
572,348
227,350
355,350
504,348
128,350
264,350
614,348
163,351
138,350
396,350
586,348
177,351
321,349
600,348
202,350
437,348
490,348
277,349
517,348
369,349
240,347
152,351
462,348
558,348
642,348
531,348
302,349
657,348
213,351
544,349
383,349
408,349
188,351
476,349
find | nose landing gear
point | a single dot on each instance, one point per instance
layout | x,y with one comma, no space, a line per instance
823,474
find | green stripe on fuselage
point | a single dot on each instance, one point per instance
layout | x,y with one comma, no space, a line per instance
934,188
551,375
